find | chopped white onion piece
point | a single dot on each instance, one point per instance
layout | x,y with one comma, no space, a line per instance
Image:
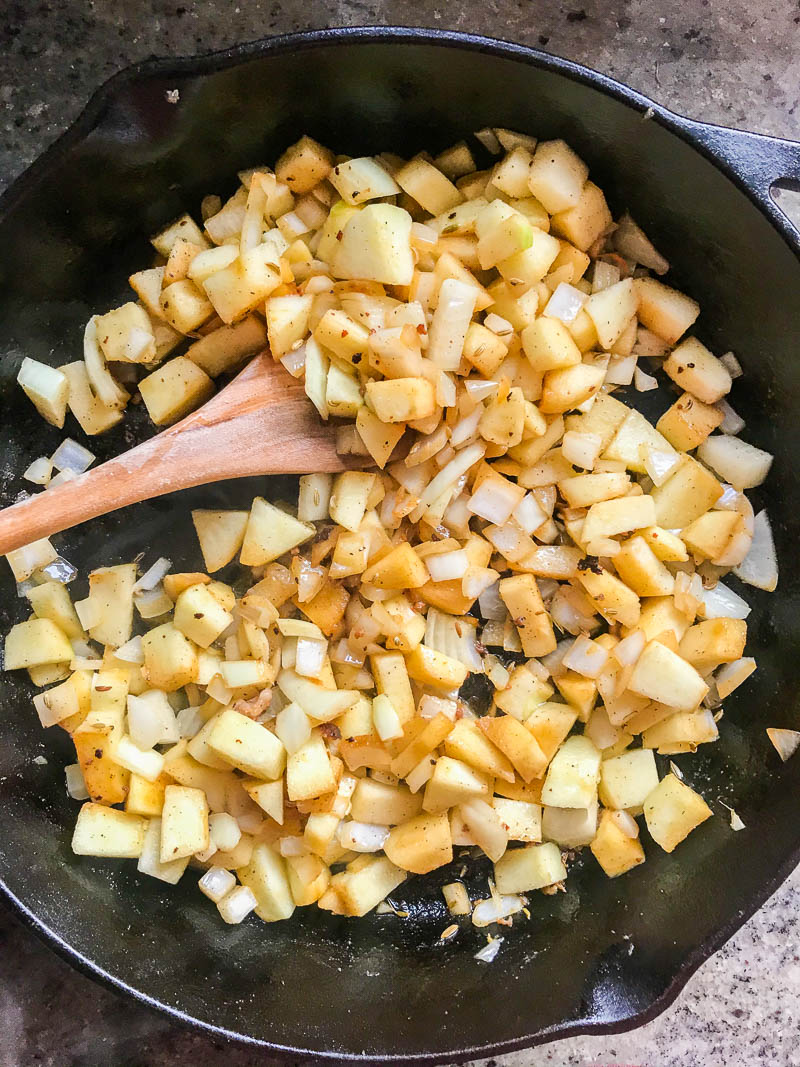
786,742
60,570
237,905
73,457
292,845
489,911
722,603
530,514
495,499
489,951
620,370
217,883
760,566
149,764
731,675
467,427
421,774
628,650
586,657
84,648
733,423
732,365
604,275
626,823
204,855
76,786
643,382
152,603
310,657
477,389
649,344
151,720
189,722
424,235
450,322
293,727
85,663
631,241
736,823
224,831
581,449
39,472
131,651
565,303
447,565
295,361
24,561
153,575
362,836
660,465
497,324
431,706
449,475
61,478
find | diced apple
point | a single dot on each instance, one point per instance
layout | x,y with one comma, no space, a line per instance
47,388
107,832
376,246
428,186
664,311
37,641
521,870
737,461
420,844
175,389
672,811
585,221
614,850
660,674
516,743
247,282
270,533
611,310
570,827
226,348
170,659
698,371
247,745
573,774
627,780
557,176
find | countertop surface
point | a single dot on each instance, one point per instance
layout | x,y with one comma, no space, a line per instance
726,61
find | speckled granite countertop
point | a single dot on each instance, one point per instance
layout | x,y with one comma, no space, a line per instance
727,61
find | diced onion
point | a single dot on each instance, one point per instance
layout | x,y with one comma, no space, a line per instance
153,575
586,657
190,721
643,382
785,742
217,883
733,423
660,465
626,823
295,361
495,499
293,727
731,675
760,566
489,951
721,603
447,565
362,836
489,911
151,720
620,370
450,322
627,651
732,365
468,426
604,275
497,324
565,303
76,786
131,651
581,449
73,457
39,472
451,473
237,905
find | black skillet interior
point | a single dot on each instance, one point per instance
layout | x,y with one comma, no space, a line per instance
605,953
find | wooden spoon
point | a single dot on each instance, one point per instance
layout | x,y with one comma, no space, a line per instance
261,423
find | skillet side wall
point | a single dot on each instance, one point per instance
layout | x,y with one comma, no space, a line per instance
69,244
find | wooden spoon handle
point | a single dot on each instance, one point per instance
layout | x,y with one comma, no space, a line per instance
261,423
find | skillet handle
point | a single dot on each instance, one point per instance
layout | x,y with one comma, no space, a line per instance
758,162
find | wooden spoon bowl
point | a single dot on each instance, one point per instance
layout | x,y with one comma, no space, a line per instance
260,423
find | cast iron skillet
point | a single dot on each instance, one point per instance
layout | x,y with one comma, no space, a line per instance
605,955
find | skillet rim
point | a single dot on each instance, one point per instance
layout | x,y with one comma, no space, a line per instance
743,157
